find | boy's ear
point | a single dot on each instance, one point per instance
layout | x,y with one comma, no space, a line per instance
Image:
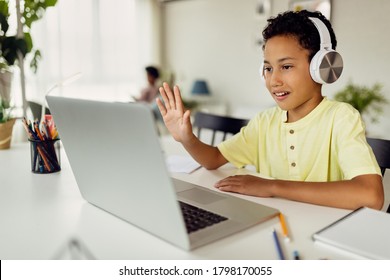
327,65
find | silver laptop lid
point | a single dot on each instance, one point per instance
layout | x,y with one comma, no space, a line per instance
97,137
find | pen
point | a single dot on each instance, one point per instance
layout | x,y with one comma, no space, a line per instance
37,131
284,227
277,244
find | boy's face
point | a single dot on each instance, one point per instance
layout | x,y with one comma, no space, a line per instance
287,76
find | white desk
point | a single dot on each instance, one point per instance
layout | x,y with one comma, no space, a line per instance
39,214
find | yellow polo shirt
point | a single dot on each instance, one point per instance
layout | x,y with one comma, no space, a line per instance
328,144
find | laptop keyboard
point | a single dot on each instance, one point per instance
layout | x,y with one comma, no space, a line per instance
197,218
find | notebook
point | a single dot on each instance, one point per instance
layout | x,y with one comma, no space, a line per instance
364,232
119,165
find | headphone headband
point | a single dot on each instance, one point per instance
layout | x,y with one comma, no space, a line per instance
326,42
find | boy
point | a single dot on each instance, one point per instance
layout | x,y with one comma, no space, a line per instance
149,93
314,148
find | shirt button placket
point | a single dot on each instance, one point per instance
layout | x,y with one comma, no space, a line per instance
292,153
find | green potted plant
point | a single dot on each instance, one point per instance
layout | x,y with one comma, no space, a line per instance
368,101
15,47
6,119
12,45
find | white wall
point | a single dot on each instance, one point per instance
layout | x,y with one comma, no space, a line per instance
215,40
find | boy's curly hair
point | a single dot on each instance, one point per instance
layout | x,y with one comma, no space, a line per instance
298,25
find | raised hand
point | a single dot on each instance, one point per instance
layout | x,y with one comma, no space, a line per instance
176,118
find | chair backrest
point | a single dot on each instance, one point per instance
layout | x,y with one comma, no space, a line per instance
36,110
226,125
381,149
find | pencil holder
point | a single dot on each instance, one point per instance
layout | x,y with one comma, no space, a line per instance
45,156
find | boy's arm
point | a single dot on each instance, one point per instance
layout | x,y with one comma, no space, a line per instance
207,156
177,121
363,190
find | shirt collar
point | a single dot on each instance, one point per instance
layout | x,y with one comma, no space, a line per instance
308,116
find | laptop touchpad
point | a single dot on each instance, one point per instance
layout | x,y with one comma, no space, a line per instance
200,196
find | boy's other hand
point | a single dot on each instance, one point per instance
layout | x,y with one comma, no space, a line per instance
176,119
246,184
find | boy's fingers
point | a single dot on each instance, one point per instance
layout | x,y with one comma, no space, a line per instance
171,98
161,107
164,97
178,101
187,116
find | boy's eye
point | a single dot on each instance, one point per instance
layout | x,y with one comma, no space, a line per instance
286,67
267,69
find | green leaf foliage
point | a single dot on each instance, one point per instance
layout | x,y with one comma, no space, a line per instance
5,111
33,10
367,100
10,47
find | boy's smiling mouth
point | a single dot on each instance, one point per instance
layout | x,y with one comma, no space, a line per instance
281,93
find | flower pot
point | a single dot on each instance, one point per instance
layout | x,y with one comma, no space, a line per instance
6,134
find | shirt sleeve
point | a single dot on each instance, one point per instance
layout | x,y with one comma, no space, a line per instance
242,148
354,153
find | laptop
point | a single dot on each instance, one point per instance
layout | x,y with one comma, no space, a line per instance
119,166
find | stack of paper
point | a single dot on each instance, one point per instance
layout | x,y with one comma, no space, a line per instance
183,164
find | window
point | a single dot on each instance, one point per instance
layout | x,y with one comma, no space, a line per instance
99,38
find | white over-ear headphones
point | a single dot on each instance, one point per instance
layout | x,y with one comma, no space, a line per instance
327,65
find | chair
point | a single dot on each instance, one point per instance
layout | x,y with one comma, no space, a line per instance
381,149
224,124
36,110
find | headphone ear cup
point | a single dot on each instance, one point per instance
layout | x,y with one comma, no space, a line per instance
326,66
315,66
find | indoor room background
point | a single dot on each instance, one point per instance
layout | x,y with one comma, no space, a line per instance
110,43
218,40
